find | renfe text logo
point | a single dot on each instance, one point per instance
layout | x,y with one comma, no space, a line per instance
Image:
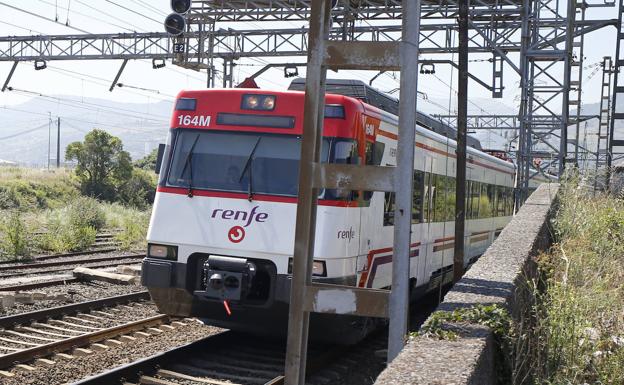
244,216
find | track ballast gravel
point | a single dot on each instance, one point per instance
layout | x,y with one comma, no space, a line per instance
81,367
74,292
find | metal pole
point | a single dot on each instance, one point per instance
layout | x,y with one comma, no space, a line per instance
525,62
567,73
404,177
298,318
49,135
58,142
462,123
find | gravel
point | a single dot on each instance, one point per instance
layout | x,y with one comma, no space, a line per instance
75,292
68,371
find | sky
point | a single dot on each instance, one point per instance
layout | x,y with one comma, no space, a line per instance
143,84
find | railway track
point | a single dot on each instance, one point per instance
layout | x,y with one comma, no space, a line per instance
56,266
227,358
28,336
39,285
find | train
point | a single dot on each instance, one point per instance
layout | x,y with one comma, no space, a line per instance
221,233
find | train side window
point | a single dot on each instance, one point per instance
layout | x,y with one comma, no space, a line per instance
444,207
500,201
372,157
450,198
428,209
343,152
389,205
417,197
491,196
475,196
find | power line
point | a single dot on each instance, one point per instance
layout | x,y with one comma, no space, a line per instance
104,82
150,7
111,16
24,132
42,17
17,26
96,107
135,12
88,16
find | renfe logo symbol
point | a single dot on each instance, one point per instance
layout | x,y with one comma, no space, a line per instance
236,234
241,215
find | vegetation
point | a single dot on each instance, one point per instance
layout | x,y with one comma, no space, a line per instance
578,336
62,210
148,163
27,189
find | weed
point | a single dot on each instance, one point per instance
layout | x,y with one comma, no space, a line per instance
15,240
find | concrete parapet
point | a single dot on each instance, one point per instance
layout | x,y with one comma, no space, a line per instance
498,277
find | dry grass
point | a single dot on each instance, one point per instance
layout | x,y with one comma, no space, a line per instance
578,334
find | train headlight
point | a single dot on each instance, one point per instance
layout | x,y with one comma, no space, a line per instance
319,268
258,102
162,251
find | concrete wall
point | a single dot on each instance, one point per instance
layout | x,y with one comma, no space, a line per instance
498,277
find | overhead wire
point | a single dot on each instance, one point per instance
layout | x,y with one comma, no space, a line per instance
133,11
41,17
17,26
111,16
88,16
93,106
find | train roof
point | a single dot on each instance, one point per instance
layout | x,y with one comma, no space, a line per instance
359,90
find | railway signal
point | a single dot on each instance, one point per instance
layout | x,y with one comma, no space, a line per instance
175,23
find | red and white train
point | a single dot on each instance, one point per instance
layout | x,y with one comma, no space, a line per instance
221,235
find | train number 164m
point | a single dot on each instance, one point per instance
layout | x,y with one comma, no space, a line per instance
197,121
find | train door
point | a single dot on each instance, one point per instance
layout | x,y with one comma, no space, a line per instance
428,227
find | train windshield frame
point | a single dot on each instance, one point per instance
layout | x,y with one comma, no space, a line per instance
237,162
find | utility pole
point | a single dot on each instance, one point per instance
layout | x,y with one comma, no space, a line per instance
58,142
49,135
462,126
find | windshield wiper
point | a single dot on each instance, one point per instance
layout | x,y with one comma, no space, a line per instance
247,166
189,162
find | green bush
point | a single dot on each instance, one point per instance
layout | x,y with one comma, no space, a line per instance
133,230
15,240
86,212
139,191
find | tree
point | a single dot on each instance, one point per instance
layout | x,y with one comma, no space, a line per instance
102,164
148,162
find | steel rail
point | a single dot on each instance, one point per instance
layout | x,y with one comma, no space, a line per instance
25,355
36,265
59,311
37,285
60,270
134,370
61,255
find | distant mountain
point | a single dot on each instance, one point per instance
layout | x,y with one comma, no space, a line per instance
24,127
141,126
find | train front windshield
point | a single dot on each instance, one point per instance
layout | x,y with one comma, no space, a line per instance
237,162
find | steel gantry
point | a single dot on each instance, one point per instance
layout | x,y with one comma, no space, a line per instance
547,35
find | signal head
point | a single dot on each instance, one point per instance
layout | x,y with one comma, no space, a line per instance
181,6
175,24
